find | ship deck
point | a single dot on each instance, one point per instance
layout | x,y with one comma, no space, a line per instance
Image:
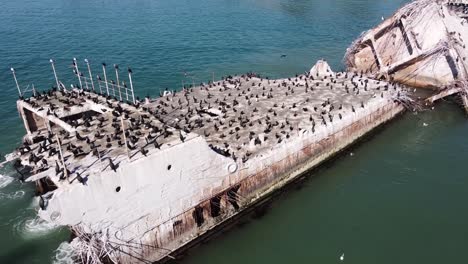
238,116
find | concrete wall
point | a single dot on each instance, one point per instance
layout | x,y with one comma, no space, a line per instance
163,184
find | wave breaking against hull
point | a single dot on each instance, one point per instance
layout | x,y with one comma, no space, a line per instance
5,180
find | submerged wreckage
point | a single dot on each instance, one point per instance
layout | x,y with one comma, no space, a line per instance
138,181
424,44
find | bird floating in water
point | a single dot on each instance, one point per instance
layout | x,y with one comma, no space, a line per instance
342,257
283,55
425,124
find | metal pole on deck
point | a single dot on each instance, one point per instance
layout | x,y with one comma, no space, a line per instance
116,67
16,81
131,83
126,89
124,136
61,157
55,73
113,87
105,77
86,83
99,83
77,73
90,75
47,124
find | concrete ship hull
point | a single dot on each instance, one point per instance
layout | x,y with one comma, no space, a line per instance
138,182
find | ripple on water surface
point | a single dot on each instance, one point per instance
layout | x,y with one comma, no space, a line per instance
33,227
12,196
5,180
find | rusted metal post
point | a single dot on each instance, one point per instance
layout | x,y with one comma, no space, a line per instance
126,89
77,72
16,81
105,77
86,84
113,87
55,74
99,83
131,84
90,75
65,171
124,136
116,67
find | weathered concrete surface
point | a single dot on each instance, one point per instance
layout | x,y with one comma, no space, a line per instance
422,45
195,158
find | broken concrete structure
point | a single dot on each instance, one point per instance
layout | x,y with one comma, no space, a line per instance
424,44
140,182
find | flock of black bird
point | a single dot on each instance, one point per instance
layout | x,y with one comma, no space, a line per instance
242,115
98,134
238,116
459,6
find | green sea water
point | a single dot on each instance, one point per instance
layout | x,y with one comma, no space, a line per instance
399,197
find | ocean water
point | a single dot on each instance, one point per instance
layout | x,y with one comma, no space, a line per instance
399,197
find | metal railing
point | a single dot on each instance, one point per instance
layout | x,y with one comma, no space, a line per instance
117,89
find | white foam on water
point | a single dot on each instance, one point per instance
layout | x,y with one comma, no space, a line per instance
34,203
5,180
34,227
12,196
18,195
64,254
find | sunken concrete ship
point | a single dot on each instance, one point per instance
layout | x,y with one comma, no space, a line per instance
422,45
139,181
